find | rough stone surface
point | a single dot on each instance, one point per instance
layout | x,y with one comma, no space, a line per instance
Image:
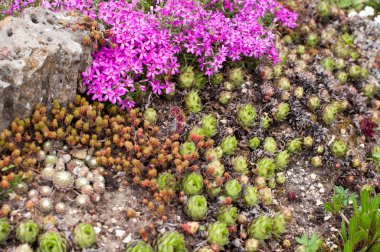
41,59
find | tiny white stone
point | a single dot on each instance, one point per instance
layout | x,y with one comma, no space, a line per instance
319,185
319,202
322,190
120,233
97,230
128,238
313,176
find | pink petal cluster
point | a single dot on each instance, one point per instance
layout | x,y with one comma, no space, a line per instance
144,49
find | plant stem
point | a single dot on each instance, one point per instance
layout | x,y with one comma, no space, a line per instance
344,218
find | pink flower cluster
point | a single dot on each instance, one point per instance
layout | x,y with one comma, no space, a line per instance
144,48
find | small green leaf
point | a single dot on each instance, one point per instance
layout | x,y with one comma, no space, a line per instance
7,168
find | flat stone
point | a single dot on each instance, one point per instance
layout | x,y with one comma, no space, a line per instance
79,154
120,233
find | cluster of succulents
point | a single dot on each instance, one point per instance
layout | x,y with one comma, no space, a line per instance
27,233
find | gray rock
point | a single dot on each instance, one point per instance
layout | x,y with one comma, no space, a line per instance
41,59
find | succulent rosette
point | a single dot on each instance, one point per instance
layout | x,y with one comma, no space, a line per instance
196,207
228,145
5,230
51,241
27,231
140,246
233,188
217,233
228,215
171,241
84,235
261,228
192,184
246,115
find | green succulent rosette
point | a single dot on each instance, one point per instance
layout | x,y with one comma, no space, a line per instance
171,242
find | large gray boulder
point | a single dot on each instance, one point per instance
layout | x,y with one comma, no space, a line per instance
41,59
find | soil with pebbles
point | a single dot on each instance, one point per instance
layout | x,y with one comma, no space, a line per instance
306,187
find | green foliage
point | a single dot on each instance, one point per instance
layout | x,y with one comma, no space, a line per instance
330,112
84,235
140,246
217,167
209,125
240,164
228,145
233,188
261,228
193,102
186,78
279,224
312,244
5,230
294,146
166,180
27,231
196,207
236,76
150,115
217,233
51,242
228,215
282,111
339,200
246,115
251,196
270,145
363,230
254,143
171,241
338,148
282,159
217,79
266,167
192,184
188,148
